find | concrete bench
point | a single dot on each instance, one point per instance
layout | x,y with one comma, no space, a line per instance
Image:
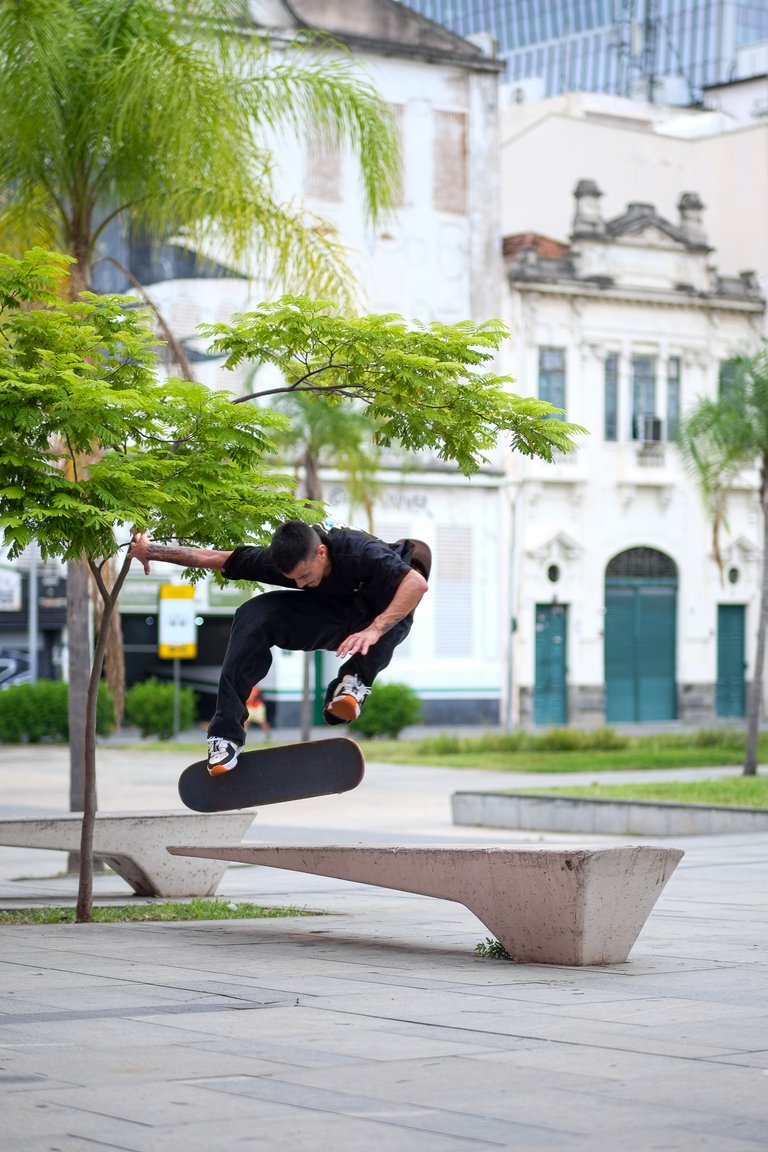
545,905
134,845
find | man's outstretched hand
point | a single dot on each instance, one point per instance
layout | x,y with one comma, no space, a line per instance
359,642
139,550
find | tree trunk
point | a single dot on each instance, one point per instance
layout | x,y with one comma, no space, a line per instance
84,912
78,615
756,693
79,647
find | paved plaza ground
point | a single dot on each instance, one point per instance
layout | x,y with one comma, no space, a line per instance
376,1026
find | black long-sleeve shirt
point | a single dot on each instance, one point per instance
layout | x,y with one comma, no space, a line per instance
362,566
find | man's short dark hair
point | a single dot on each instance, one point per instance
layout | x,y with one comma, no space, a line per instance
292,543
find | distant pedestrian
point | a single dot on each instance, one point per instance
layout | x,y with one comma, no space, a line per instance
257,710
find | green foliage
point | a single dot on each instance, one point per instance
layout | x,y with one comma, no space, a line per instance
388,709
149,706
720,438
720,738
31,713
423,385
739,791
161,112
182,460
339,435
175,456
719,441
553,740
444,744
570,739
492,949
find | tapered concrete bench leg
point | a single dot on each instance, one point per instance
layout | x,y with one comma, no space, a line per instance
545,905
135,845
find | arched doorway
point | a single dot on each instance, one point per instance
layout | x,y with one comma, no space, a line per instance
640,636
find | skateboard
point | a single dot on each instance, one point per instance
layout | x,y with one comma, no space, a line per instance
273,775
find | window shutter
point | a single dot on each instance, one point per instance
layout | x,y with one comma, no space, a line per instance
453,591
322,177
449,187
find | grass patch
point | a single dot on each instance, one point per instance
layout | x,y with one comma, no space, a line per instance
741,791
568,750
554,750
168,910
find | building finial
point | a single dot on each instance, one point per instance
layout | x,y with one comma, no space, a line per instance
588,217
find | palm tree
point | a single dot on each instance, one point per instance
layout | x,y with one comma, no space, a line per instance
324,432
719,440
156,114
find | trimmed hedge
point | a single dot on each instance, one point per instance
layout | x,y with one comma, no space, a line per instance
149,705
388,709
31,713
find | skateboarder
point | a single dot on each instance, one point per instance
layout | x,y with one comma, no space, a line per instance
358,595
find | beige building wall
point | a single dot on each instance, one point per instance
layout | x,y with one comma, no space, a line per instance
625,146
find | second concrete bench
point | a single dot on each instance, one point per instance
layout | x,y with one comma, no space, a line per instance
134,845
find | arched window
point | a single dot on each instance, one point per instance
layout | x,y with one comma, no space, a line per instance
642,564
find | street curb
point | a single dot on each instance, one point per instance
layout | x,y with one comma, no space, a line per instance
611,817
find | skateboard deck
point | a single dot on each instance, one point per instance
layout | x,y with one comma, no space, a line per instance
273,775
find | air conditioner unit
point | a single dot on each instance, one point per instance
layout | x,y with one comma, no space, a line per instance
648,429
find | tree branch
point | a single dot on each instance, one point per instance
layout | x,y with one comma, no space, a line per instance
175,345
72,458
319,390
297,385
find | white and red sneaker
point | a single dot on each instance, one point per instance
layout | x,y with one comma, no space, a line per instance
222,755
347,700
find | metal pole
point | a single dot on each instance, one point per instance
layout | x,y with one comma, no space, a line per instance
176,691
32,622
649,52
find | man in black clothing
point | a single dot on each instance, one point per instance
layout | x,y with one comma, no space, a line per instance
359,595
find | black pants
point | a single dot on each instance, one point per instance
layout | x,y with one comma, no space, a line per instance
299,622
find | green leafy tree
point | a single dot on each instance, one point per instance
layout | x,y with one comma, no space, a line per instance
187,463
176,457
160,114
423,386
719,440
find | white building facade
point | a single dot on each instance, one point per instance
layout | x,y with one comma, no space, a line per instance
620,612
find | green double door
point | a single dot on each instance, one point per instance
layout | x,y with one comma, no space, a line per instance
640,648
